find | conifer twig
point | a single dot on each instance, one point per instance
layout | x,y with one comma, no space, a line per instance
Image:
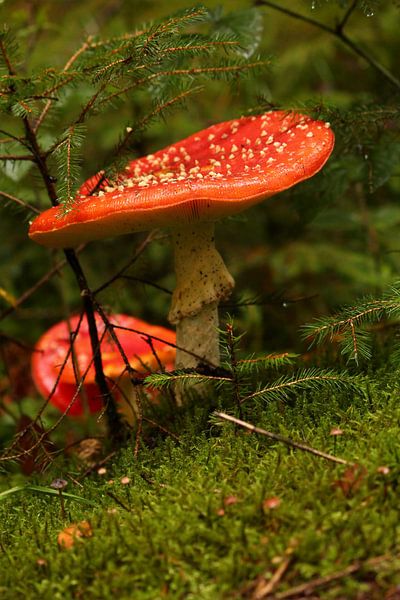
280,438
113,417
190,72
67,66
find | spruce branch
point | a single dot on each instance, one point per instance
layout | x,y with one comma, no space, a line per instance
217,71
304,380
113,417
348,325
68,159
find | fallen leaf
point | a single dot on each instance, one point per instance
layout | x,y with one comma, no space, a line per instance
68,536
35,458
351,479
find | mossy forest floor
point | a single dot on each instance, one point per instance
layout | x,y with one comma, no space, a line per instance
223,513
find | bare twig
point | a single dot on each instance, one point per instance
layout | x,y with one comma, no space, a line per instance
280,438
67,66
147,282
20,202
168,343
113,417
339,34
265,588
343,22
17,157
141,248
42,281
304,590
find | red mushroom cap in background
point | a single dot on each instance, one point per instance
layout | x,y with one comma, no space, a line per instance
216,172
53,346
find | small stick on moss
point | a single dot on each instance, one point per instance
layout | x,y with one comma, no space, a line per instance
304,590
283,439
265,588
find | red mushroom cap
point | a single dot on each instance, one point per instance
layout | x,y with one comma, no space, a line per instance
53,347
219,171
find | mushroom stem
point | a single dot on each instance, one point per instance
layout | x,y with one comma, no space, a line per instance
202,281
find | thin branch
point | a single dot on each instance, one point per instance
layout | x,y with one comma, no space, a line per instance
13,138
192,71
68,64
116,429
304,590
11,340
42,281
7,61
280,438
148,239
168,343
159,109
343,22
147,282
265,587
20,202
339,326
17,157
288,384
339,34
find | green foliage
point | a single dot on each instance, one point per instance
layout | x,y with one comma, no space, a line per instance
165,59
348,326
193,521
68,157
236,378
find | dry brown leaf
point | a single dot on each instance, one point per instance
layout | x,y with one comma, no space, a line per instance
351,479
68,536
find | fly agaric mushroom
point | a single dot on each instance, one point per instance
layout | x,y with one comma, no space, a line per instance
219,171
52,349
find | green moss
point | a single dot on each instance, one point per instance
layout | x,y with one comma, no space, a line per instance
181,538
